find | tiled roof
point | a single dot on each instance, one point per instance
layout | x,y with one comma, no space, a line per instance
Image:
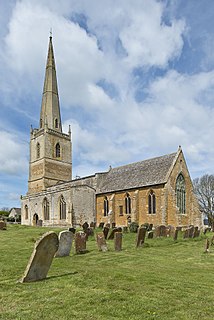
139,174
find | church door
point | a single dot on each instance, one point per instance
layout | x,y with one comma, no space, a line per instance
35,219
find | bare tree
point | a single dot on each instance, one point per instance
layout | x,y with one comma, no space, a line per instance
204,190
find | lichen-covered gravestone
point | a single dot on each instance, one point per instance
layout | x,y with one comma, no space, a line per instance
65,243
80,242
41,258
118,241
105,232
101,242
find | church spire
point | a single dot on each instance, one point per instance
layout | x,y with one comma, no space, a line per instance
50,110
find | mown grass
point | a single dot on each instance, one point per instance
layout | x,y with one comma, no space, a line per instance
162,280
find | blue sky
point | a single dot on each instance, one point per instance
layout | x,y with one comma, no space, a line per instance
136,80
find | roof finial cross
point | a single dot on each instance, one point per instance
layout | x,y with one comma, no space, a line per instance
51,33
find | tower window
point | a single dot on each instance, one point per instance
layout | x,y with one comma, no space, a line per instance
106,207
56,123
128,204
40,123
181,194
26,212
57,150
152,202
38,150
46,209
62,208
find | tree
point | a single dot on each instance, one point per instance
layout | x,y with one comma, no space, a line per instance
204,190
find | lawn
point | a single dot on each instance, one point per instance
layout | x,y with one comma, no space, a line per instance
162,280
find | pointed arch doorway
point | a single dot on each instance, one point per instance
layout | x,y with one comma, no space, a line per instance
35,219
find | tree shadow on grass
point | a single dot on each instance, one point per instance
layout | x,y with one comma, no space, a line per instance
61,275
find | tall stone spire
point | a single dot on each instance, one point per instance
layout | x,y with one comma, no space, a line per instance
50,110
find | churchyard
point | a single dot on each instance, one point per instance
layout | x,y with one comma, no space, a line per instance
162,279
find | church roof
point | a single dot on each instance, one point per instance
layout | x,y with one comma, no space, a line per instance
139,174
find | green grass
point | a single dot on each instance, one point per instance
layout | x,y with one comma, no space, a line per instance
163,280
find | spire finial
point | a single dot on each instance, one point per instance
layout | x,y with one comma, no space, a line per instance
51,33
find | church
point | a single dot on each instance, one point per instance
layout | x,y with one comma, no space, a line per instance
157,190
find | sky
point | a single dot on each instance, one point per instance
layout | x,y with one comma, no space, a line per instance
135,80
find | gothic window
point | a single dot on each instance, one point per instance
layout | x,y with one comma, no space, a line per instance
128,204
56,123
120,210
38,150
152,202
57,150
46,209
62,208
106,206
26,212
181,194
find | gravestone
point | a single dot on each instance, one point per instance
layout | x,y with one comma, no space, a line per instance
39,223
160,231
150,227
3,225
65,243
118,241
92,225
207,245
191,231
175,237
111,236
105,232
41,258
195,233
89,232
73,230
141,234
170,231
101,242
150,234
113,225
107,225
208,229
101,225
212,241
85,226
80,242
186,233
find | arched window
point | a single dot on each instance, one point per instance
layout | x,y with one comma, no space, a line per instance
40,123
56,123
62,208
106,207
46,209
57,150
38,150
128,204
152,202
181,194
26,212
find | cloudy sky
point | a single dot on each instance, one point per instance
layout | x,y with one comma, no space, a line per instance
135,77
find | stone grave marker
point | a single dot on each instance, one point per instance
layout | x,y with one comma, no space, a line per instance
39,223
80,242
65,243
195,233
73,230
141,234
108,225
113,225
101,242
92,225
85,226
101,225
111,236
89,232
212,241
150,234
186,233
207,245
105,232
191,231
41,258
118,241
3,225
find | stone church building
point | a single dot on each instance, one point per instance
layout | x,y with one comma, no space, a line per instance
157,190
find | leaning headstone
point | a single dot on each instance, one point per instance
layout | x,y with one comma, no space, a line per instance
191,231
118,241
65,243
111,236
105,232
80,242
73,230
101,242
41,258
195,233
141,236
3,225
207,245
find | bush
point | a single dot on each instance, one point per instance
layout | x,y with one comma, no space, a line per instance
133,227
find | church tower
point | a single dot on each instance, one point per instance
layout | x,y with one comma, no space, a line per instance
50,148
